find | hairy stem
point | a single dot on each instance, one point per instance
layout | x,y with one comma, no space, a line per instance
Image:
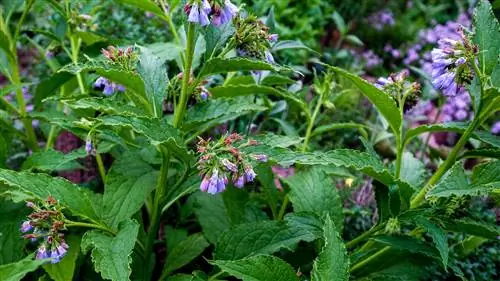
185,90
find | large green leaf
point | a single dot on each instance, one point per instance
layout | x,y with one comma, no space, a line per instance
336,126
185,252
5,49
11,241
154,74
105,105
412,170
455,182
439,237
216,37
240,208
486,36
128,184
258,268
145,5
65,269
157,131
252,89
409,244
473,227
211,214
456,127
131,80
48,87
313,191
384,103
111,255
202,113
333,261
79,201
220,65
263,237
16,271
306,221
53,160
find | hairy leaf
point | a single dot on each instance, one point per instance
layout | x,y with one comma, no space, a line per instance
145,5
220,65
313,191
384,103
216,37
333,261
154,74
79,201
105,105
111,255
16,271
185,252
11,241
128,184
258,268
263,237
211,214
412,170
439,237
486,36
306,221
53,160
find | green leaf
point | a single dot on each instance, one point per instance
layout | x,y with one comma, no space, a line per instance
165,51
333,261
486,36
456,127
202,113
384,103
113,72
65,269
111,255
412,170
409,244
276,80
313,191
482,152
185,252
353,39
264,237
154,74
53,160
269,189
306,221
211,214
245,90
105,105
128,184
290,44
258,268
473,227
219,65
16,271
157,131
79,201
240,208
271,21
273,140
48,87
454,182
11,241
336,126
174,236
216,38
339,21
145,5
89,38
383,202
439,237
5,48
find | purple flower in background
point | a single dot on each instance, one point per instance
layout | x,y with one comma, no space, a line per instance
371,59
199,14
381,19
269,57
395,53
273,38
26,226
496,128
225,14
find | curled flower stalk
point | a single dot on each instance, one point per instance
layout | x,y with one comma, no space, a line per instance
225,159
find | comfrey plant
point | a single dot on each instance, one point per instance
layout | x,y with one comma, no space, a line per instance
197,182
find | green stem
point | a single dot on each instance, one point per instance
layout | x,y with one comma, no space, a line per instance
30,133
75,49
283,208
185,91
100,166
20,23
364,235
371,258
310,126
419,198
89,225
160,191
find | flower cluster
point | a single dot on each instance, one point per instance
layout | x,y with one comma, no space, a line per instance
200,11
449,65
400,88
252,39
45,224
126,58
108,87
223,160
